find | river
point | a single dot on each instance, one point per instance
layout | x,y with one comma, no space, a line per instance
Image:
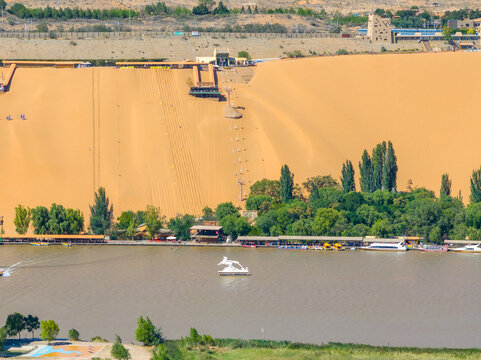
405,299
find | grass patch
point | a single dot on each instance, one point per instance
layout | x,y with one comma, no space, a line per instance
237,349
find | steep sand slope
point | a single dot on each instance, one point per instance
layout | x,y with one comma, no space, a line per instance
136,132
139,133
315,113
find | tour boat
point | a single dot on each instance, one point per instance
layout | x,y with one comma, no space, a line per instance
1,272
250,246
67,244
232,268
384,247
474,248
433,248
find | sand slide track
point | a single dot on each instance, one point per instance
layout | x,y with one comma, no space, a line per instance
183,162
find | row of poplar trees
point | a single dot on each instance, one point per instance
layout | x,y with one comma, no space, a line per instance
378,171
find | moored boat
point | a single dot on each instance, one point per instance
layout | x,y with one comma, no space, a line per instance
384,247
67,244
474,248
433,248
1,272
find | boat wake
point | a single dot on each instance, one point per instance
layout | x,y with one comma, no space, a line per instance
10,270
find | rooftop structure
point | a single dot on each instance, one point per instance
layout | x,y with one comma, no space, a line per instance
54,239
222,57
423,34
206,233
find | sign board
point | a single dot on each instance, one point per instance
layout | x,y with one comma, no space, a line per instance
178,33
195,33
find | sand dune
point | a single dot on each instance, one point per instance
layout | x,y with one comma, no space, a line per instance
139,134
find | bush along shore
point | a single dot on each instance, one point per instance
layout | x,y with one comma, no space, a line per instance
198,346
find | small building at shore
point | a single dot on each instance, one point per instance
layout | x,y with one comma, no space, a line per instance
207,234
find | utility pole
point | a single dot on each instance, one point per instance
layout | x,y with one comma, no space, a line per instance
129,16
241,183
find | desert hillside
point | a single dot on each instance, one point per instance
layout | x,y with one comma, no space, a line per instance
344,6
138,132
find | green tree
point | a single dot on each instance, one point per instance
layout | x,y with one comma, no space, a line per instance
381,228
235,226
75,221
435,235
23,216
73,335
365,169
118,350
31,324
181,225
347,177
445,185
287,184
57,221
101,213
377,157
325,221
147,333
15,324
476,186
320,182
244,54
208,214
225,209
49,329
3,337
267,187
3,4
153,220
389,173
40,220
130,231
125,218
448,33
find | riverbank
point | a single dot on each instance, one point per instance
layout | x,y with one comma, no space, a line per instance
236,349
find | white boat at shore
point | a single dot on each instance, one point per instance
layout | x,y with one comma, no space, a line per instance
385,247
474,248
232,268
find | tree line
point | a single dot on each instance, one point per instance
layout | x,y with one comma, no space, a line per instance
323,205
22,12
414,18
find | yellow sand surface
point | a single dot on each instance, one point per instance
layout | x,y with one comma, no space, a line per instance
138,132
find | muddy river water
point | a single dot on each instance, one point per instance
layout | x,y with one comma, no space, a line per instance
415,299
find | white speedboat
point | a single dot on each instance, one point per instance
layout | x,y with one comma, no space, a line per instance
474,248
385,247
232,268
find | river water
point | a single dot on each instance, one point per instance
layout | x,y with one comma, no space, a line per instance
406,299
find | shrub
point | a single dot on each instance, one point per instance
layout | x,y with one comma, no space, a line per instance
244,54
74,335
98,339
118,350
49,329
147,333
342,52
